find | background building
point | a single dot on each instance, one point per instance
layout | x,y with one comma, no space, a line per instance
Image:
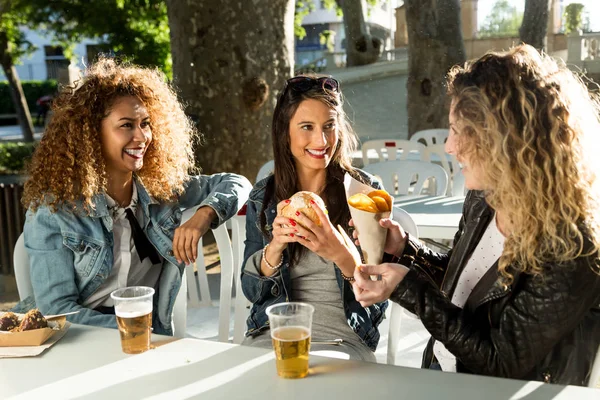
49,61
380,20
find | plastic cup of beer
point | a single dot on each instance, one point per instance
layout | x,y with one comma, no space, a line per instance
133,308
290,331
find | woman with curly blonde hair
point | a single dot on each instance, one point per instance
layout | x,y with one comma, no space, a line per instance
108,183
518,296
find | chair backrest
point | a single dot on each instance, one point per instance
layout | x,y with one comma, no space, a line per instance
230,257
403,177
242,305
265,170
395,311
437,154
595,374
430,136
22,272
388,149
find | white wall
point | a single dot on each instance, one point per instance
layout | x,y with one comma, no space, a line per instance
34,66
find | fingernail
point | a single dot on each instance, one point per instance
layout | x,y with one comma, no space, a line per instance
297,213
288,201
291,235
292,222
178,261
312,202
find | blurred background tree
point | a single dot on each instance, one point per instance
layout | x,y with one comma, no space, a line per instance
535,23
503,20
230,60
137,29
435,44
573,17
13,46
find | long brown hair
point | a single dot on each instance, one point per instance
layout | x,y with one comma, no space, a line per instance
284,183
532,126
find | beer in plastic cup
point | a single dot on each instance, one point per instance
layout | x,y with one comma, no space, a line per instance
290,331
133,308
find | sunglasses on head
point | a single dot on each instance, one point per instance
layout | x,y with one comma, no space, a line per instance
304,83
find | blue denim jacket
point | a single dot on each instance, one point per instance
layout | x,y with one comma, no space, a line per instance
71,253
263,291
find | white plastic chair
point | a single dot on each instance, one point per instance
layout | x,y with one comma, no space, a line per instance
387,150
456,181
25,289
265,170
404,177
22,274
430,136
395,311
231,257
242,305
595,374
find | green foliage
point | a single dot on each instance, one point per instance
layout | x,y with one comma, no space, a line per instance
135,29
303,8
504,20
14,14
326,38
33,90
14,156
573,17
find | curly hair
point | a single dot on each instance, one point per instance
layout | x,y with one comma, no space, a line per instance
68,165
532,127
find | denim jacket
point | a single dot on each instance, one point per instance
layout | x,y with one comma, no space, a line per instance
71,253
263,291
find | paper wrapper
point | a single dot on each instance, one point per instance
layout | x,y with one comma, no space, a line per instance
370,234
33,342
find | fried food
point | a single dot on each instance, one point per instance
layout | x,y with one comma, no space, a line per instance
33,320
8,322
376,201
383,195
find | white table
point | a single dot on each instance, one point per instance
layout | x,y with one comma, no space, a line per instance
88,363
437,217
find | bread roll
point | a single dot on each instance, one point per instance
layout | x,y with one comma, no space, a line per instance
301,202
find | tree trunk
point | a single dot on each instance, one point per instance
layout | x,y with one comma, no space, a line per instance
230,60
361,47
435,45
16,90
535,23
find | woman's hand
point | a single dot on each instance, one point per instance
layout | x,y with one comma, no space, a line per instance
395,240
324,240
187,235
283,231
368,292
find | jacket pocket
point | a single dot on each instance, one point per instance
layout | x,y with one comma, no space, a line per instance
169,222
85,254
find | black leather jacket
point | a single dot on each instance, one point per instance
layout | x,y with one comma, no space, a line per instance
536,330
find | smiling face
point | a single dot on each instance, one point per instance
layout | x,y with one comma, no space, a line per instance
125,136
314,135
472,171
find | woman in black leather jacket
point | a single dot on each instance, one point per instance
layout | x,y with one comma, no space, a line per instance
518,295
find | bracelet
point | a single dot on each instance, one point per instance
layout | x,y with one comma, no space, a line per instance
346,278
264,257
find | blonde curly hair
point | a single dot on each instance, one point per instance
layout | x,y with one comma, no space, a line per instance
533,128
68,165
